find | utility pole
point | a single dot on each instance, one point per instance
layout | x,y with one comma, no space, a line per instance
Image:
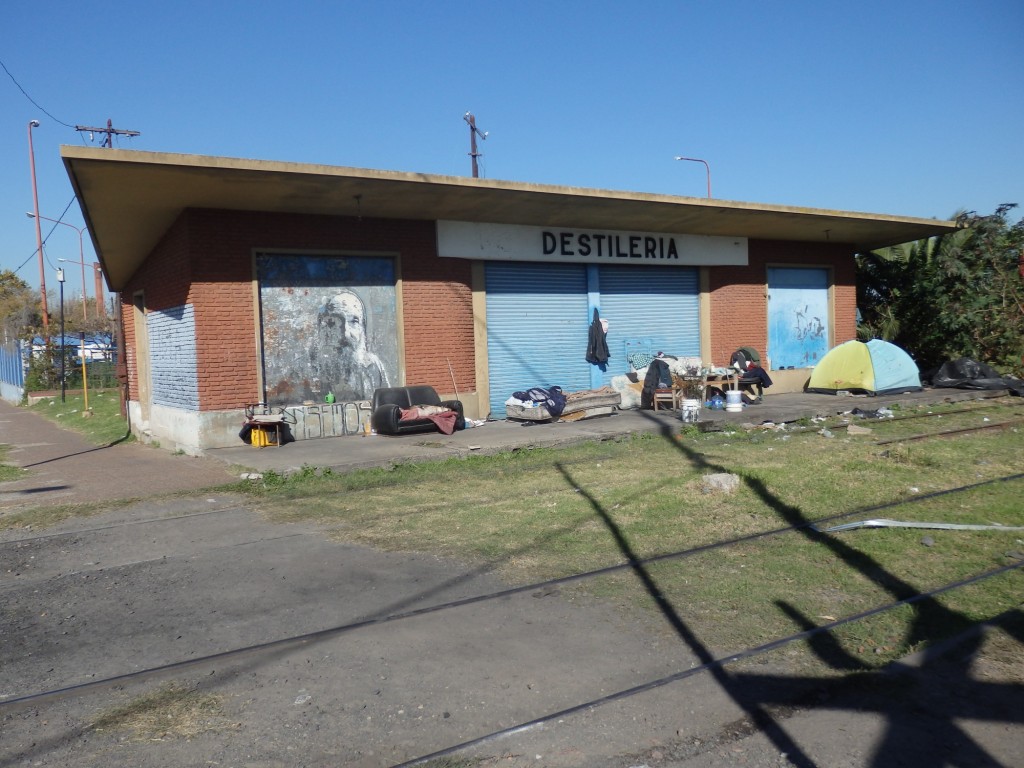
122,362
110,131
473,133
39,233
98,276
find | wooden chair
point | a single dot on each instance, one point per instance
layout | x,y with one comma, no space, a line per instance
667,397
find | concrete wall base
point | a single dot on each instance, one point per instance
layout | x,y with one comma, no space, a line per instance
11,393
787,381
190,432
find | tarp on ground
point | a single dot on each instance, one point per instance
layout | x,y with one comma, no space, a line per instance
964,373
875,368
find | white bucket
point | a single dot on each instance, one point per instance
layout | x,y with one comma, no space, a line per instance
690,411
733,400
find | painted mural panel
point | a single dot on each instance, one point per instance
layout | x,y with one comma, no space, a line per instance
329,326
798,330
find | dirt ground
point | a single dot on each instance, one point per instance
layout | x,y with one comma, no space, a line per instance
188,631
179,582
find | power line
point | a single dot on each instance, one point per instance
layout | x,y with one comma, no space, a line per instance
110,131
60,219
34,102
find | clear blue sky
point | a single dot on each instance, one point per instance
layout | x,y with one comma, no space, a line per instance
907,108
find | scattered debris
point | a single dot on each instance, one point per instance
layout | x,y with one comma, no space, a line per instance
883,523
855,429
881,413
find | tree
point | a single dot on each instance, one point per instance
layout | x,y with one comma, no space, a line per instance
956,295
19,308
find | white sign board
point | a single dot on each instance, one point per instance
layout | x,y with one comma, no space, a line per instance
517,242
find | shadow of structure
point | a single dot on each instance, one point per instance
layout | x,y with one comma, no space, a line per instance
921,707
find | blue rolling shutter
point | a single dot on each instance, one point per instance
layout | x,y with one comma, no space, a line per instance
537,328
658,306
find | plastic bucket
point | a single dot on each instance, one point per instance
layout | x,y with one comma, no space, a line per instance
734,400
690,411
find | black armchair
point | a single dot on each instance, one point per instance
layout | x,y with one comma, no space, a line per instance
388,403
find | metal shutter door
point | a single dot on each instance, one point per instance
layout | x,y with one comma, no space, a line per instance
660,304
537,328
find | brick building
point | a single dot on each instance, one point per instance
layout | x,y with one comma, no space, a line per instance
246,281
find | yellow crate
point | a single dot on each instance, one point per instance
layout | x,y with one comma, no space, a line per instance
262,437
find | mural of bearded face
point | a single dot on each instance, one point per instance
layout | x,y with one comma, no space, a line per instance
347,367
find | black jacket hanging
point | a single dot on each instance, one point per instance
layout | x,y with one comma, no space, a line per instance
597,343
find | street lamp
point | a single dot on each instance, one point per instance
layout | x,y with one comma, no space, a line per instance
63,380
81,252
97,274
706,166
39,233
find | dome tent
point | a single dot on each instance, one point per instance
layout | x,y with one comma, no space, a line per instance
875,368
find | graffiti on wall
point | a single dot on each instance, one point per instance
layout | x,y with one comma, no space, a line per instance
328,325
309,422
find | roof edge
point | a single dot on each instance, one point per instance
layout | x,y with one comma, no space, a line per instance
181,160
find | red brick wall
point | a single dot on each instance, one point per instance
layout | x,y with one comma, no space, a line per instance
438,321
164,278
437,306
739,302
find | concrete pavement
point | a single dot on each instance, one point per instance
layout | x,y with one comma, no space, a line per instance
348,453
64,468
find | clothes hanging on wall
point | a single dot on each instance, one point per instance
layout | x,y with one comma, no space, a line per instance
597,342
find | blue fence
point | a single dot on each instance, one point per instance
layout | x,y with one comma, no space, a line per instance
12,372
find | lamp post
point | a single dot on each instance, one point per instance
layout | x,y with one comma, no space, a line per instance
706,166
97,274
81,252
39,232
63,379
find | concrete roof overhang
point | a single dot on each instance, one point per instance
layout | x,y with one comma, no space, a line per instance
129,199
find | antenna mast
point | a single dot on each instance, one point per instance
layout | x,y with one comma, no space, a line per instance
473,133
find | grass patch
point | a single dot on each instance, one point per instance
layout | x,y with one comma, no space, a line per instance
104,426
40,518
554,512
8,472
171,711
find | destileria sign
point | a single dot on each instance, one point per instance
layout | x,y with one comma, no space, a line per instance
517,242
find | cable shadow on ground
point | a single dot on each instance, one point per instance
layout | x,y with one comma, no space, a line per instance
111,444
900,740
764,721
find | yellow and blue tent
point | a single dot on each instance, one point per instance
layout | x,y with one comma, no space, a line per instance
875,368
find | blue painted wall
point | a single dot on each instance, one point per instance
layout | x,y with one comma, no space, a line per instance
172,354
798,316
